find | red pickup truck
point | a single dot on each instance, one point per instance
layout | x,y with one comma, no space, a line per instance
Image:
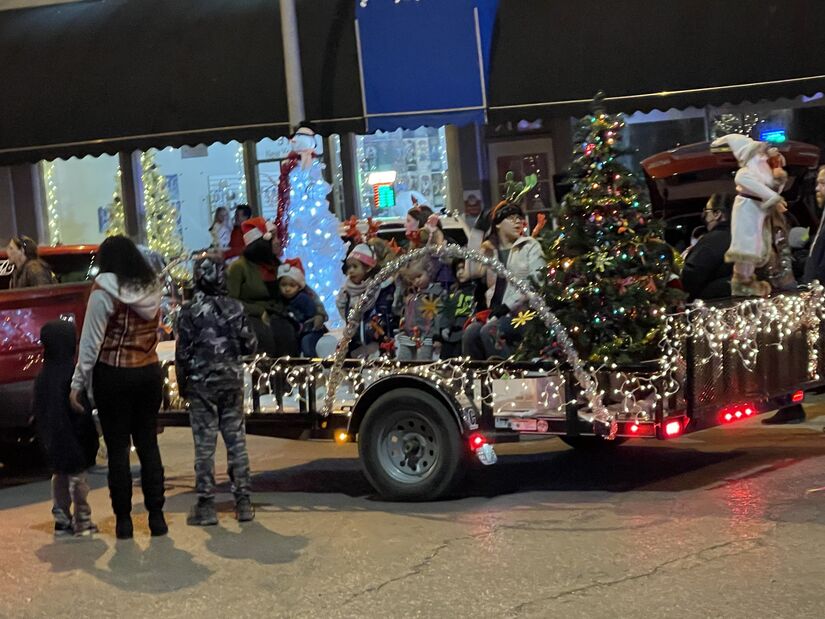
22,313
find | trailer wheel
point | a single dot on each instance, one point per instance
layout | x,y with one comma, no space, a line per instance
592,443
410,446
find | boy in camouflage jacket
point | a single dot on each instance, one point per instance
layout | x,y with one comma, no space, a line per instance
213,335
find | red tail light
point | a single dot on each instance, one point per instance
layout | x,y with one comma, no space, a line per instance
477,441
634,428
797,396
672,428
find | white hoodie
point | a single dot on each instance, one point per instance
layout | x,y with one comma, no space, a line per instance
145,302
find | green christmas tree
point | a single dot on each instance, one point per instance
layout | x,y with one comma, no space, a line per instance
161,218
608,272
116,221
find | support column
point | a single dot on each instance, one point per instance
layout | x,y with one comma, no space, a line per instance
131,194
292,62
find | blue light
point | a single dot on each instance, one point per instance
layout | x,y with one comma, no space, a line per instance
774,136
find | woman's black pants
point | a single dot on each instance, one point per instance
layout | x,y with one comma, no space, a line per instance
128,400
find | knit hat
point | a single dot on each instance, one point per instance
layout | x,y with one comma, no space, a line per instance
504,210
364,254
294,270
256,228
742,147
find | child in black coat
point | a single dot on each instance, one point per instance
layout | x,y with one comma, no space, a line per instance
69,439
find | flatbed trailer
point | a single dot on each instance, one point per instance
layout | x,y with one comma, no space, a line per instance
418,425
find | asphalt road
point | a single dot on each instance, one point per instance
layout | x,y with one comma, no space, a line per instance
724,523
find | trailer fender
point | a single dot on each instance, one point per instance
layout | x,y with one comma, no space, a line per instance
464,417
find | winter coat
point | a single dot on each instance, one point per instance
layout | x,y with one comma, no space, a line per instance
706,275
221,235
245,283
301,309
34,272
120,328
458,307
421,312
751,239
377,315
815,266
213,335
525,261
69,439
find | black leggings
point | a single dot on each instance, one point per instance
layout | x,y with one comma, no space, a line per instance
128,400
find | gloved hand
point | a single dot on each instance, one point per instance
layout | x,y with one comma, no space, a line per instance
499,311
445,334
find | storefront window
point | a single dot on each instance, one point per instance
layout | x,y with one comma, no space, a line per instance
398,167
77,193
198,180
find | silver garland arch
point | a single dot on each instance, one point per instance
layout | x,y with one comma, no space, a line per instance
603,421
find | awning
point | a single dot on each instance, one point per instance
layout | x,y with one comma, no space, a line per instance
329,63
95,77
550,58
424,63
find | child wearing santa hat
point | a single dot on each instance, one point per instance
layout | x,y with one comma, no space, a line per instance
253,280
300,306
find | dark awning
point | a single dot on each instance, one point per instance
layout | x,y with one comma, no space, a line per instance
550,58
329,63
110,75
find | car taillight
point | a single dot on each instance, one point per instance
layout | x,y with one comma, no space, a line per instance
798,396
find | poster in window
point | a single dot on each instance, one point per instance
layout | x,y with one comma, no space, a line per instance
422,150
225,190
426,187
409,156
173,191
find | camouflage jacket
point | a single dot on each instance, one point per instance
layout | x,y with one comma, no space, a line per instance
213,335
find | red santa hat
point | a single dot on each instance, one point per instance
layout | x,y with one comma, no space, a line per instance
256,228
294,270
364,254
742,147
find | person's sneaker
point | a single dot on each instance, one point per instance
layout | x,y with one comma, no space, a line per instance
123,527
789,414
157,524
244,511
202,514
62,529
85,529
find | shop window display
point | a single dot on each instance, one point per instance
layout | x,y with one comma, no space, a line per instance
199,180
77,193
398,167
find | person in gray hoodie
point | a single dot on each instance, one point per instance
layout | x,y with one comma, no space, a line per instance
118,369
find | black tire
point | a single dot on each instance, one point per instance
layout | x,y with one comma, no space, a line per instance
410,446
592,443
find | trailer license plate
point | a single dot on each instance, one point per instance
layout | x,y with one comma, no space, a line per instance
524,425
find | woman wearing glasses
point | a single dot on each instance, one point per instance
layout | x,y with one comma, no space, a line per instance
29,270
522,256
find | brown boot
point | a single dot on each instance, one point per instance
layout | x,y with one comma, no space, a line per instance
748,287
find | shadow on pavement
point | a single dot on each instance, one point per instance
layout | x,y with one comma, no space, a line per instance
159,568
254,542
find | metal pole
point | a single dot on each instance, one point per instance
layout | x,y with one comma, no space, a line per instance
292,62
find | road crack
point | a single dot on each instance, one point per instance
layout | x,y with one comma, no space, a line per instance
703,556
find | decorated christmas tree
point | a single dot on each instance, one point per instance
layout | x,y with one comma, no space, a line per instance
609,270
115,220
162,227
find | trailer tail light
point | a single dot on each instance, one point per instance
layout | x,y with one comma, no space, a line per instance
634,429
737,412
798,396
673,428
477,441
341,437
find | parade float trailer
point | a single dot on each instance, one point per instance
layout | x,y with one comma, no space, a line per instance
419,425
